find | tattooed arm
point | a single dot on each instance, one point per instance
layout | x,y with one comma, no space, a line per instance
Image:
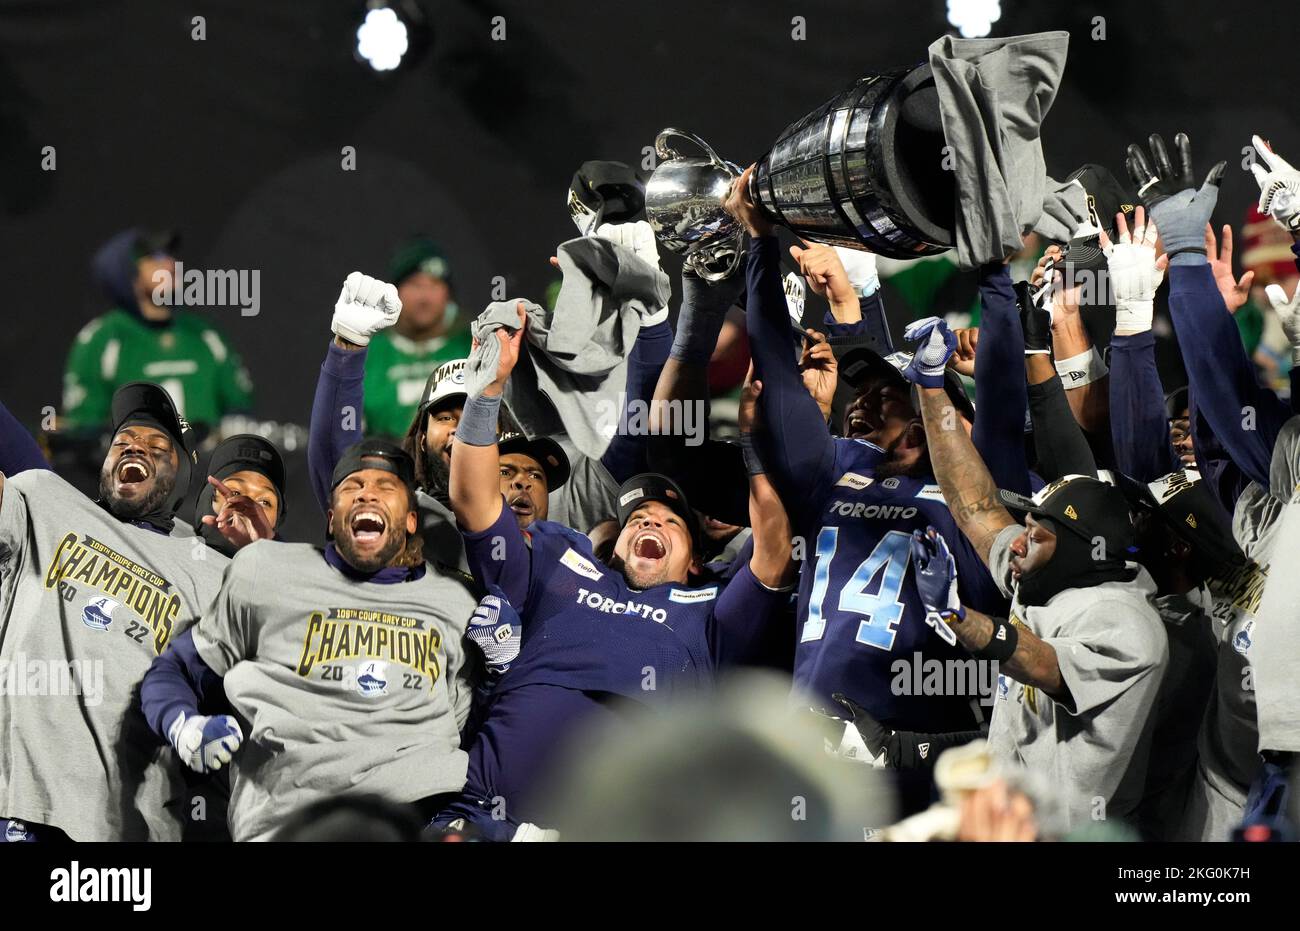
1034,662
964,479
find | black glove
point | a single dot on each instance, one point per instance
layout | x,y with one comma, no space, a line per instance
1157,178
1035,321
902,749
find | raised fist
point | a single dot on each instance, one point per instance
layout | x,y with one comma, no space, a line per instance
365,306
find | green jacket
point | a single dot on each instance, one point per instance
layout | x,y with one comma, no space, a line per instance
187,356
396,370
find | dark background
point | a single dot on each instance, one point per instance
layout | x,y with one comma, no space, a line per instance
236,140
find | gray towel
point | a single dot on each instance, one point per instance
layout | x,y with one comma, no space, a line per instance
993,96
575,368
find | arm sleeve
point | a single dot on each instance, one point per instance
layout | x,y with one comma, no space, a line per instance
1138,427
227,631
1221,376
738,626
1058,439
999,428
801,451
335,416
177,681
872,307
498,556
18,449
626,454
87,395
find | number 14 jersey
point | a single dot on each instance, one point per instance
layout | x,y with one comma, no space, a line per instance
862,628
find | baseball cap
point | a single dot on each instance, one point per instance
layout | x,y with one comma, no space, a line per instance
604,192
147,404
446,381
548,453
1188,507
245,452
373,453
1086,505
420,254
861,363
654,486
1106,198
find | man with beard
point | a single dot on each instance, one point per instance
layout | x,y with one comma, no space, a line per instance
345,666
856,501
598,639
90,593
367,306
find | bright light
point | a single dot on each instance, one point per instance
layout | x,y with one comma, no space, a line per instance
974,18
381,39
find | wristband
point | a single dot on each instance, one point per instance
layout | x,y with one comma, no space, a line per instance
1134,316
753,464
1082,369
1199,250
1002,644
478,420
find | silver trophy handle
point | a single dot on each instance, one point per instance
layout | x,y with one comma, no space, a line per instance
703,263
666,151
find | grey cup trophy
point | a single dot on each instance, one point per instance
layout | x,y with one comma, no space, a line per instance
865,170
683,203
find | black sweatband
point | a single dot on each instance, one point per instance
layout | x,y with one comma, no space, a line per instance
1002,644
753,464
1199,250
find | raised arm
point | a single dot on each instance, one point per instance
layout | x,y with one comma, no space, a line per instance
999,428
365,306
795,435
1245,417
1083,372
475,482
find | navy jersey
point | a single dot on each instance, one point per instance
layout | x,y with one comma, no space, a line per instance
863,629
590,643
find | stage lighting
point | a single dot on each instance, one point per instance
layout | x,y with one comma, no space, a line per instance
974,18
382,38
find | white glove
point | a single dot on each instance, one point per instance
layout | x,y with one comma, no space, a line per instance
365,306
860,269
205,743
494,627
1279,186
639,237
1288,314
1134,277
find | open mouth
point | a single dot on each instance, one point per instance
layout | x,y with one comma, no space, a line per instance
860,425
648,545
368,526
132,471
521,505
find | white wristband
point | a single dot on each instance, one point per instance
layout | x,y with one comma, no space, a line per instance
1134,316
1082,369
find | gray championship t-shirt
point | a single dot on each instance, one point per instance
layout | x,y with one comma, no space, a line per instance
341,686
86,603
443,544
1111,647
1227,746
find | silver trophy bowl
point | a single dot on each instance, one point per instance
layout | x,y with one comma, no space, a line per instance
683,203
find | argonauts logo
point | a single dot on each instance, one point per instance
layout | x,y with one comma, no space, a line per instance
372,680
1243,638
99,613
16,833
